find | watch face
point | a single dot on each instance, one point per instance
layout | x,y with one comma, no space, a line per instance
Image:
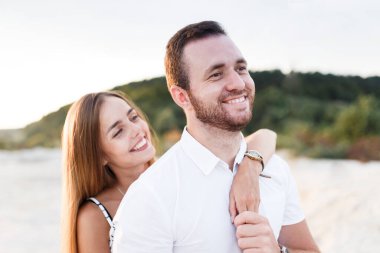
254,154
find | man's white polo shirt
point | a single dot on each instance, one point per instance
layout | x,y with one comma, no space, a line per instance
180,204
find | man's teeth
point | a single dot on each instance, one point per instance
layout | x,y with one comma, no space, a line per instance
140,144
236,100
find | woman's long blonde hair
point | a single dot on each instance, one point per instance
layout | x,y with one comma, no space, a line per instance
83,172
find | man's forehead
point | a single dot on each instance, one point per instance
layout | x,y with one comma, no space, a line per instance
209,42
212,45
217,49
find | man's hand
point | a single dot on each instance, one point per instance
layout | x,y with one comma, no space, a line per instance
254,233
245,191
297,238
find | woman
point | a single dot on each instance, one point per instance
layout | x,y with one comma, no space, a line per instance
106,145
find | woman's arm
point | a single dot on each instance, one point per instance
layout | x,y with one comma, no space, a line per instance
92,230
245,192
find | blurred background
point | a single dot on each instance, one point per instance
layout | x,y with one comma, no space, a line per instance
317,75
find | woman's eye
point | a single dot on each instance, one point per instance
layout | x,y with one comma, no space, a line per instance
134,118
118,133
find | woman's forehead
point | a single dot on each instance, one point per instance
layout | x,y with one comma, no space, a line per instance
112,102
113,109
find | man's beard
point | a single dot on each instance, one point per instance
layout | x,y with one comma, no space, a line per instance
217,116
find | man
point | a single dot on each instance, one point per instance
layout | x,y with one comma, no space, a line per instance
181,203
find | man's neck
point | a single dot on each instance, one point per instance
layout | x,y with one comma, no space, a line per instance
222,143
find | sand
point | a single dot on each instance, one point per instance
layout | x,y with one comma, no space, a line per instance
340,199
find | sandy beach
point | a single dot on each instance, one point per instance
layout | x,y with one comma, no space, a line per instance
340,199
341,202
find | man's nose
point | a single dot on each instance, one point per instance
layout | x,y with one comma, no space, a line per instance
235,82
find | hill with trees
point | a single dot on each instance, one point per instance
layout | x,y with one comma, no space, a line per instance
314,114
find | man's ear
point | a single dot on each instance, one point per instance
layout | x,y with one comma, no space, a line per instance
180,96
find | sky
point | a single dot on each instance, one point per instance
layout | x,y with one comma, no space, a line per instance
53,52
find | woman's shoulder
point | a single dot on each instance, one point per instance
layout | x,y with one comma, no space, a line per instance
92,208
92,229
90,215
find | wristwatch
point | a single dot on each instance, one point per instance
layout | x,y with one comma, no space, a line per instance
256,156
283,249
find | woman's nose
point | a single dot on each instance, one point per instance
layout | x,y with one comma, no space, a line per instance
135,130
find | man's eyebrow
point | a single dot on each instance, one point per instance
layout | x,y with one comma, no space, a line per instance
221,65
119,121
213,67
241,60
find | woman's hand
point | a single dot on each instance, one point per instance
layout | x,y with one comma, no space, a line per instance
245,191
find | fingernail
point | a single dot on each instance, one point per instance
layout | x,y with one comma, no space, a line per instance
232,219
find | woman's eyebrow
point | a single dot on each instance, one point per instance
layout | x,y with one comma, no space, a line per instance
113,125
129,111
119,121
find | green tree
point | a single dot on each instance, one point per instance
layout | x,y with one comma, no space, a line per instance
352,122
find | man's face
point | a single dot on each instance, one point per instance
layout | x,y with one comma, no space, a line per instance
221,89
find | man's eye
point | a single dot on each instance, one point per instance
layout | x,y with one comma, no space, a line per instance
216,75
242,68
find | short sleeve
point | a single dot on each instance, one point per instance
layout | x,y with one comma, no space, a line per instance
142,225
293,212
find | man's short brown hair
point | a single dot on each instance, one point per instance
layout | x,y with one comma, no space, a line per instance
174,66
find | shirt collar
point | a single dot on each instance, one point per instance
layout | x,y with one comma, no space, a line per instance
240,155
205,160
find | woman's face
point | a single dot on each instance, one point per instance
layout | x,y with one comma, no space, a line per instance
125,137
